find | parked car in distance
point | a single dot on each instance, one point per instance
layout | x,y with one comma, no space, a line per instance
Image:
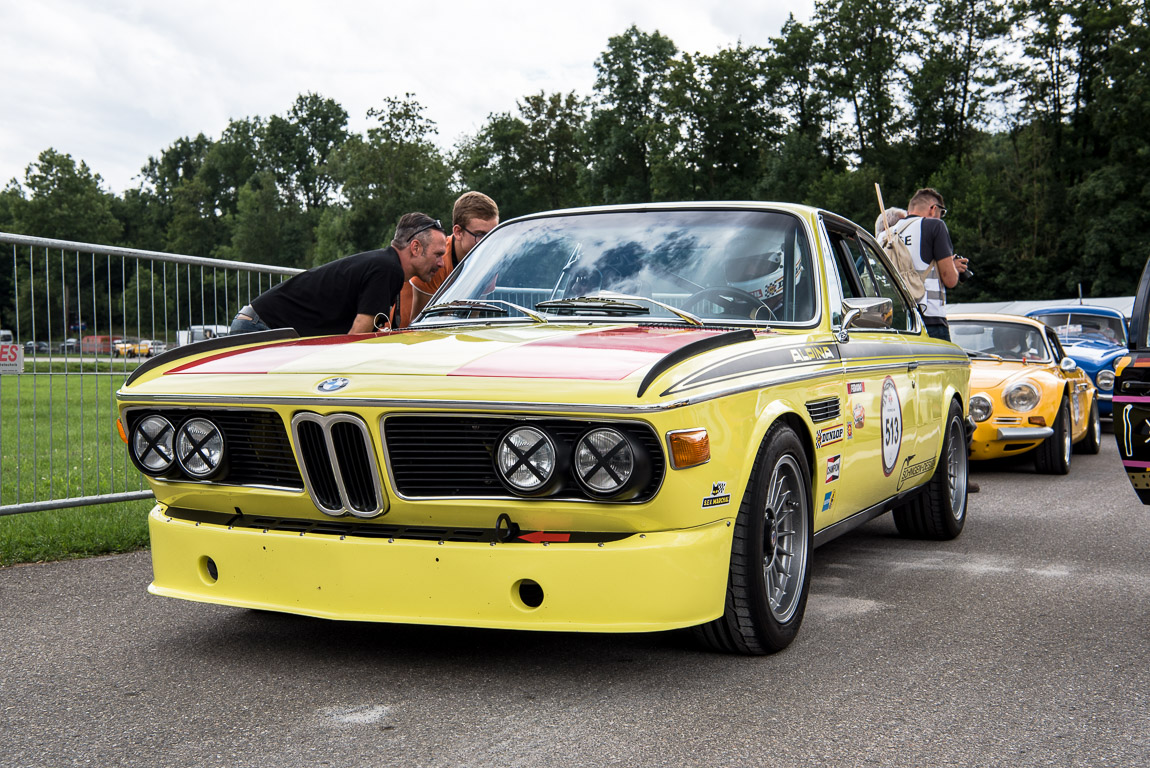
618,419
6,336
69,346
98,345
36,348
125,347
195,333
139,347
1026,394
1095,337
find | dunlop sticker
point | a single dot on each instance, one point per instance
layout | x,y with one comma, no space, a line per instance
829,435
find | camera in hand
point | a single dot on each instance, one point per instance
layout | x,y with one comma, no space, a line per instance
964,276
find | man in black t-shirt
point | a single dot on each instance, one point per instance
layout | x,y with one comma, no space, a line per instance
352,294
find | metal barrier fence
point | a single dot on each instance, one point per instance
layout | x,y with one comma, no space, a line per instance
83,317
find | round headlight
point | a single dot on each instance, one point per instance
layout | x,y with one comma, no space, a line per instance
1105,380
981,407
608,463
1022,396
526,461
199,448
152,445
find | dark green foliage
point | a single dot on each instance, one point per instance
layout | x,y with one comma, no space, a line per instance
1030,116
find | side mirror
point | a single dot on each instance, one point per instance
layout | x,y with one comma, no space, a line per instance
1068,364
865,313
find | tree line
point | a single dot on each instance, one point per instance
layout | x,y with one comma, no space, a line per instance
1032,117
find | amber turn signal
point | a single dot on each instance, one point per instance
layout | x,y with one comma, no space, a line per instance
1038,421
123,434
689,448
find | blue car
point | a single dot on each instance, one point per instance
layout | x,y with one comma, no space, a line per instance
1094,337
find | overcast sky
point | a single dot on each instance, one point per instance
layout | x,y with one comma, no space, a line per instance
115,81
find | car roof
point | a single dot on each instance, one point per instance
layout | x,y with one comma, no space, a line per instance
993,317
1077,309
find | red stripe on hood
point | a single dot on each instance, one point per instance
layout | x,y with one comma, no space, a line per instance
607,355
266,358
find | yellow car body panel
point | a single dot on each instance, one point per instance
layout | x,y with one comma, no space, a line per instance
1004,433
658,561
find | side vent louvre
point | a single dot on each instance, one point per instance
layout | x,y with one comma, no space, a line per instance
338,461
823,410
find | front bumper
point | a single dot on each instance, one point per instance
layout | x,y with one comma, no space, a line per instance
654,581
991,441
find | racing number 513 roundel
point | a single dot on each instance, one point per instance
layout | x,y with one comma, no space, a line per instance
891,415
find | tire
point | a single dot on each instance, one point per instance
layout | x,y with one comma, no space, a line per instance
1052,456
770,570
1092,443
939,511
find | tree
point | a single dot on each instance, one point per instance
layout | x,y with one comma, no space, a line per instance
298,149
627,132
63,201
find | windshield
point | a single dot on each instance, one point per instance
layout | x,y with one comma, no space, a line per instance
1077,326
732,267
1009,341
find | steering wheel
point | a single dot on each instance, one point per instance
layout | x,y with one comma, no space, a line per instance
733,301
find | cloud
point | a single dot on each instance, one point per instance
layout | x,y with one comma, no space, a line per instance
116,82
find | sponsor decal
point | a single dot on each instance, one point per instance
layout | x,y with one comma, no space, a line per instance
890,415
860,415
11,358
828,500
806,354
911,471
834,466
717,498
830,435
856,388
850,430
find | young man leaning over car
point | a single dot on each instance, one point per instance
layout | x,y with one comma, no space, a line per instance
473,216
348,294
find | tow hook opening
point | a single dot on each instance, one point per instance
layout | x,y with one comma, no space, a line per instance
208,570
529,593
505,528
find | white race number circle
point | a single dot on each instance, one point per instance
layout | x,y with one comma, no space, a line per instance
891,416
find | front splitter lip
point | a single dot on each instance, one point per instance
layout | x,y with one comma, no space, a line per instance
647,582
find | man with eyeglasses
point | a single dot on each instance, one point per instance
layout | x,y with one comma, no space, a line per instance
355,294
473,216
928,239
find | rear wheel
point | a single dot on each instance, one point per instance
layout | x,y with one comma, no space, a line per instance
1092,443
939,512
1052,457
770,568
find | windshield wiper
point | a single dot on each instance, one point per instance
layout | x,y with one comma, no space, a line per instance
990,355
617,303
497,306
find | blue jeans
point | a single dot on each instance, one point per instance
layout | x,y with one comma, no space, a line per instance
934,331
243,325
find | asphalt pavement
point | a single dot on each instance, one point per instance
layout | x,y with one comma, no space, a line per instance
1025,642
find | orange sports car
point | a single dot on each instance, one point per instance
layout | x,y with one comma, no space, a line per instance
1025,393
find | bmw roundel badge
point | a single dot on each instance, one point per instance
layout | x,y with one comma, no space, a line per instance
333,385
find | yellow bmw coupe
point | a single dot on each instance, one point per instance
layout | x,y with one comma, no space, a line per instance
1025,393
615,419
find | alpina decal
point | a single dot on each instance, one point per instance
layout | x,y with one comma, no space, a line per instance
806,354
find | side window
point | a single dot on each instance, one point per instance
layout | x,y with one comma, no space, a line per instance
887,288
1055,345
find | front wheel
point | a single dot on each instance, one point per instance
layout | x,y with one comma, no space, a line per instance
770,567
1052,457
939,511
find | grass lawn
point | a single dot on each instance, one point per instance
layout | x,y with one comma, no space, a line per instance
58,439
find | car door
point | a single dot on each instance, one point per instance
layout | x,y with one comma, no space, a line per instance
1078,384
879,378
1132,395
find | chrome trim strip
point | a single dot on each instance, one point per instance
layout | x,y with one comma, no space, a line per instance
1105,396
1024,433
325,423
